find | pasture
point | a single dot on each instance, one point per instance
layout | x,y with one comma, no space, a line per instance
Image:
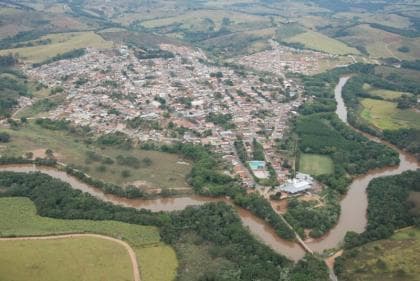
18,218
82,258
382,44
165,171
158,263
385,94
315,164
386,116
317,41
386,260
60,43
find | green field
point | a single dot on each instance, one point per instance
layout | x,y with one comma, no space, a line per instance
60,43
386,94
157,263
315,164
385,260
18,218
385,115
165,170
84,258
320,42
382,44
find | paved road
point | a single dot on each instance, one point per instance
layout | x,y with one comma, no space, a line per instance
131,253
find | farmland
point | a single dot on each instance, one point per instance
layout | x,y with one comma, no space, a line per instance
380,43
385,260
84,258
60,43
385,94
385,115
320,42
315,164
18,218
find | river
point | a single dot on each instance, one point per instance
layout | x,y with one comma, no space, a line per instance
257,226
353,205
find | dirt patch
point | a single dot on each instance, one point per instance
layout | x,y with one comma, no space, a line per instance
331,260
40,153
280,206
143,185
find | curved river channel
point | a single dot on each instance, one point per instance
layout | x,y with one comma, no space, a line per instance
353,205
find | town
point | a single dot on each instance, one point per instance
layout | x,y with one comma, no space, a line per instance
175,94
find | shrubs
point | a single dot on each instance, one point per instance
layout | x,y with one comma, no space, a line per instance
4,137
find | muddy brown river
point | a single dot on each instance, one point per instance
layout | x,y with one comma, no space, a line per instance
353,205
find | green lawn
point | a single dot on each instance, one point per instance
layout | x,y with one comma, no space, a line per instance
394,259
82,258
166,170
18,218
385,115
315,164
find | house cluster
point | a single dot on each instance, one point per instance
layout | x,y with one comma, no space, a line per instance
280,59
182,97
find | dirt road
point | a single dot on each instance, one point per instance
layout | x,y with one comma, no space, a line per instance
131,253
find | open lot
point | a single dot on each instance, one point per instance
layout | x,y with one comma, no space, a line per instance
60,43
385,260
18,218
165,171
85,258
315,164
385,115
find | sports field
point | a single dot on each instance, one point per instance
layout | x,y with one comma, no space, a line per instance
385,115
315,164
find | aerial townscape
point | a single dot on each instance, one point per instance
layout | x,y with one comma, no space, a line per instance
209,140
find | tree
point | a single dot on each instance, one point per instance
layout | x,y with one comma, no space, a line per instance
4,137
49,153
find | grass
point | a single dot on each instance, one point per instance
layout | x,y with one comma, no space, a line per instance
386,94
196,19
385,115
385,260
382,44
60,43
18,218
320,42
315,164
158,263
85,258
164,172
